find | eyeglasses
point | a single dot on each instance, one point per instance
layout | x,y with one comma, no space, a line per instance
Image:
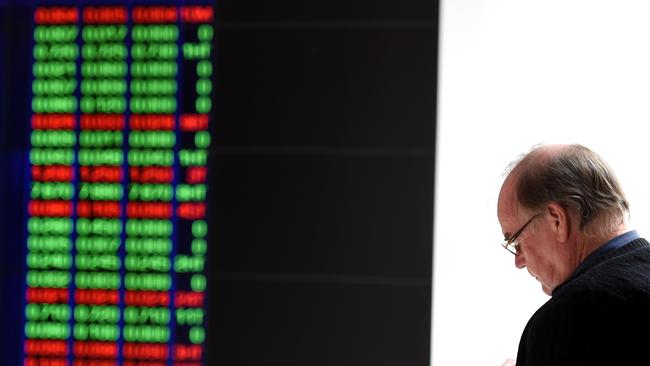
510,243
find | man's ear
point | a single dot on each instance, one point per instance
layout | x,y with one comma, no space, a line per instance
558,219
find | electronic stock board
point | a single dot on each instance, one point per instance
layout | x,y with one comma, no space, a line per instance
188,183
121,99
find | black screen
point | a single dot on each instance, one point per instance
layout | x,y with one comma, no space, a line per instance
315,221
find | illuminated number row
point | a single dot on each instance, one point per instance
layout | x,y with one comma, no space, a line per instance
100,139
101,191
109,227
103,86
158,104
202,139
48,243
147,263
197,334
189,316
199,229
148,351
49,261
148,281
151,157
49,330
101,349
151,122
204,68
186,263
146,333
96,209
204,87
104,33
114,69
191,192
154,69
52,191
193,51
152,139
54,226
55,104
151,192
55,51
55,33
97,244
97,313
104,51
41,312
154,51
53,122
48,156
97,262
154,33
102,332
55,86
54,69
101,173
151,174
54,173
142,315
205,32
98,280
193,157
53,138
100,157
203,104
151,228
50,279
151,246
103,104
153,86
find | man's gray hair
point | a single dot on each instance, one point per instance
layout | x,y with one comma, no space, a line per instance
579,180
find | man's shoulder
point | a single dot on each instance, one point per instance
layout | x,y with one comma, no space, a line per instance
628,265
620,281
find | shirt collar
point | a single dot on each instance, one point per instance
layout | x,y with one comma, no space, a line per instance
615,243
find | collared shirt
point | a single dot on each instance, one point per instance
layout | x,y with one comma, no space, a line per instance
615,243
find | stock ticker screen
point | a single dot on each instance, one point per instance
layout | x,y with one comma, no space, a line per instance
119,131
204,183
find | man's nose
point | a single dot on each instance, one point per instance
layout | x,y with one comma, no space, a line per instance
520,262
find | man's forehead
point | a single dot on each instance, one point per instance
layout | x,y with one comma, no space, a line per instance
507,205
507,195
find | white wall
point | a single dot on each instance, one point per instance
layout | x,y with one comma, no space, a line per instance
514,73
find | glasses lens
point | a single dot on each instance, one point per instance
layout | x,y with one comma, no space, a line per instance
511,247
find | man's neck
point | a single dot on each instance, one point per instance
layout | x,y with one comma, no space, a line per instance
588,244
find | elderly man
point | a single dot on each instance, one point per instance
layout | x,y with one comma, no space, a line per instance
563,214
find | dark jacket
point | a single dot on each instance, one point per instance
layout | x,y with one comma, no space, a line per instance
599,316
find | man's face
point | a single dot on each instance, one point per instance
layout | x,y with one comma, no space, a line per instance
536,246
